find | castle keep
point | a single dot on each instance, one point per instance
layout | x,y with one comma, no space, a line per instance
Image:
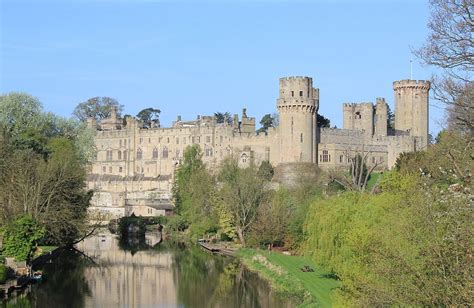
134,167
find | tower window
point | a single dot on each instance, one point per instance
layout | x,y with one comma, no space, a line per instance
301,138
165,152
341,158
292,93
119,155
301,93
155,153
120,169
358,115
139,154
125,155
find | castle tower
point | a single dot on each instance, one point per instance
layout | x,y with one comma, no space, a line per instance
381,111
297,105
359,117
411,108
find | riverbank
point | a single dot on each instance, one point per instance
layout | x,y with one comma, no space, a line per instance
291,276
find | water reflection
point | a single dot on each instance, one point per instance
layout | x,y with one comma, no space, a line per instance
109,273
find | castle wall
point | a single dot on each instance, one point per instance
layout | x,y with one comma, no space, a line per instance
135,164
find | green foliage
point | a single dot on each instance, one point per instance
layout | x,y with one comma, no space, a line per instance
21,237
322,121
149,117
97,108
3,273
223,117
42,168
267,121
132,225
408,245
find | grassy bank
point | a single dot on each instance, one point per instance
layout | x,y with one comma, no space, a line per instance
285,276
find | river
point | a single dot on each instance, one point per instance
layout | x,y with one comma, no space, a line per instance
105,272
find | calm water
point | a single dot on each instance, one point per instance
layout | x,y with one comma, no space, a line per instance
107,273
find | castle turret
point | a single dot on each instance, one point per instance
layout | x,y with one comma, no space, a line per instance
297,105
381,114
411,108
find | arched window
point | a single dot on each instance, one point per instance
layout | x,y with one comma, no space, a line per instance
139,154
155,153
125,155
165,152
244,158
119,155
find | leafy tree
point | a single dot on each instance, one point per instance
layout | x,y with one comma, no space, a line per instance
242,192
267,121
97,108
21,237
150,117
450,46
390,119
223,117
322,121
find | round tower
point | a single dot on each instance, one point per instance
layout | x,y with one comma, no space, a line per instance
297,105
411,108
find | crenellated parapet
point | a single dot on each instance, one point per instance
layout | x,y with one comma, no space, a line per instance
412,84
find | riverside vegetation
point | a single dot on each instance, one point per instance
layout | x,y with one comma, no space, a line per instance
43,160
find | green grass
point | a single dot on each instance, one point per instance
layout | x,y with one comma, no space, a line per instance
310,288
3,273
373,179
41,250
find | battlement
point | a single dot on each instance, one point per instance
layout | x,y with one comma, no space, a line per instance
295,78
407,83
380,100
352,105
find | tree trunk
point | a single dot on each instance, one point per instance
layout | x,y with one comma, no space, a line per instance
240,233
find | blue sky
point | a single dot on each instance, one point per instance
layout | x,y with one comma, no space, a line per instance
198,57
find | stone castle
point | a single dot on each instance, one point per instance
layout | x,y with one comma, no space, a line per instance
134,166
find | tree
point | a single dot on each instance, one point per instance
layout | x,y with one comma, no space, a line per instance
450,46
223,117
322,121
267,121
150,117
390,119
242,192
265,170
21,236
98,108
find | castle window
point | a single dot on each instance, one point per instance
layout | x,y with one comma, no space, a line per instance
109,155
104,169
120,142
192,139
141,140
110,169
119,155
326,156
184,140
177,153
120,169
159,140
139,154
125,142
168,140
358,115
373,159
177,140
208,152
380,159
244,158
301,138
301,93
292,125
165,152
292,93
341,158
208,139
222,138
125,155
155,153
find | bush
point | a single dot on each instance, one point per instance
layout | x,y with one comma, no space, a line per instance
3,273
20,238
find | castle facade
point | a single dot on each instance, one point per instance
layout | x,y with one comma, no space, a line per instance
134,167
